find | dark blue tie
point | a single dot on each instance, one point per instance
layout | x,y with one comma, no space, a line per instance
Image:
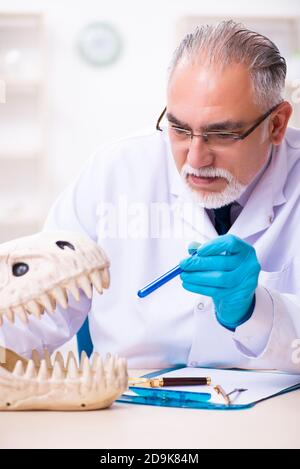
222,219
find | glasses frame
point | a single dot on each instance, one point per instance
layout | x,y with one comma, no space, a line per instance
235,136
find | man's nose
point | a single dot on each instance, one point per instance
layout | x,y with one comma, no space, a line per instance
199,153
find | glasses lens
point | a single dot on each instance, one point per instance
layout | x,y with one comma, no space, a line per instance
220,140
213,140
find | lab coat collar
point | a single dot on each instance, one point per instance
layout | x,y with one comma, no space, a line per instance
258,213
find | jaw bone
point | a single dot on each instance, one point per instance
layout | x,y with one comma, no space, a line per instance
45,384
54,269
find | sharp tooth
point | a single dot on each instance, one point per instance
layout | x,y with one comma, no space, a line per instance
30,370
34,308
99,373
43,374
105,277
122,370
110,367
84,283
87,378
21,313
83,358
57,373
95,279
36,357
60,296
72,287
10,315
59,358
95,359
47,302
19,369
69,357
72,370
47,358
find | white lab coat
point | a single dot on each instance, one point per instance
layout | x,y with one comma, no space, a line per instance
171,325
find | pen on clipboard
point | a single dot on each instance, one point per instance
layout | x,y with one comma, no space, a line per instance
167,396
161,382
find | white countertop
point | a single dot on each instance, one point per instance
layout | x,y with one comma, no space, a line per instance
271,424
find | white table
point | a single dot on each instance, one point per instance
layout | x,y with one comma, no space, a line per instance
271,424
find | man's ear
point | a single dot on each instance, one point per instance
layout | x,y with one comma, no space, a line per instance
279,122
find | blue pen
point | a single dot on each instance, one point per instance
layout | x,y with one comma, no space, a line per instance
170,395
161,280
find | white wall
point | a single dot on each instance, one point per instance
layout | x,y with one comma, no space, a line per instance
88,105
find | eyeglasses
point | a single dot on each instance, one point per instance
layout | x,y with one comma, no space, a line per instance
214,139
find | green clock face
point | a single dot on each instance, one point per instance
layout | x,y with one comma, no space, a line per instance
99,44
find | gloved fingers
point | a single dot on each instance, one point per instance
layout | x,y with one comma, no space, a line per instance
213,279
249,269
201,289
193,246
226,243
211,263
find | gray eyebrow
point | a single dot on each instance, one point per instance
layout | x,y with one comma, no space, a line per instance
227,125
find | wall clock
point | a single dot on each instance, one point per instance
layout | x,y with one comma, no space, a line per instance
99,44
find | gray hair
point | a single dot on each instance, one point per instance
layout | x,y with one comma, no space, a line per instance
229,42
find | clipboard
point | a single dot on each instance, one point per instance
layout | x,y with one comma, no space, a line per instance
201,400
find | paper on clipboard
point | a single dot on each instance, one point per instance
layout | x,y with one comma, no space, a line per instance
257,385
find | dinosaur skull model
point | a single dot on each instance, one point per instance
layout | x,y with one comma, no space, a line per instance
36,273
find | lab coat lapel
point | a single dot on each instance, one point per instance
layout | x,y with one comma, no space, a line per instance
258,213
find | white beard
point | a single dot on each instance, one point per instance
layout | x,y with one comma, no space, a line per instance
232,191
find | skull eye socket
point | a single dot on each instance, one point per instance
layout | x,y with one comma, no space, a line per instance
64,244
20,269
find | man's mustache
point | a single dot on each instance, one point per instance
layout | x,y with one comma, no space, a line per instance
206,172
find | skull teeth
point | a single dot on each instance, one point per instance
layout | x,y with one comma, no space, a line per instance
48,302
97,278
105,277
73,289
21,313
84,283
34,308
87,374
19,369
60,296
43,374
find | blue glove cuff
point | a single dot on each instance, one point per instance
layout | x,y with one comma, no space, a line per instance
232,327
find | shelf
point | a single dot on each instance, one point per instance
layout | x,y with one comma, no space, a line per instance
23,170
24,87
20,20
21,154
33,221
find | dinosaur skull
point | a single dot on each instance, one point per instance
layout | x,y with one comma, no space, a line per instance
36,273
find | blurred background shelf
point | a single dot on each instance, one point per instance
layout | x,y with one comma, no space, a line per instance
23,149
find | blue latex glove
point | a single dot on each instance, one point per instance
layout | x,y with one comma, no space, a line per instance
226,269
